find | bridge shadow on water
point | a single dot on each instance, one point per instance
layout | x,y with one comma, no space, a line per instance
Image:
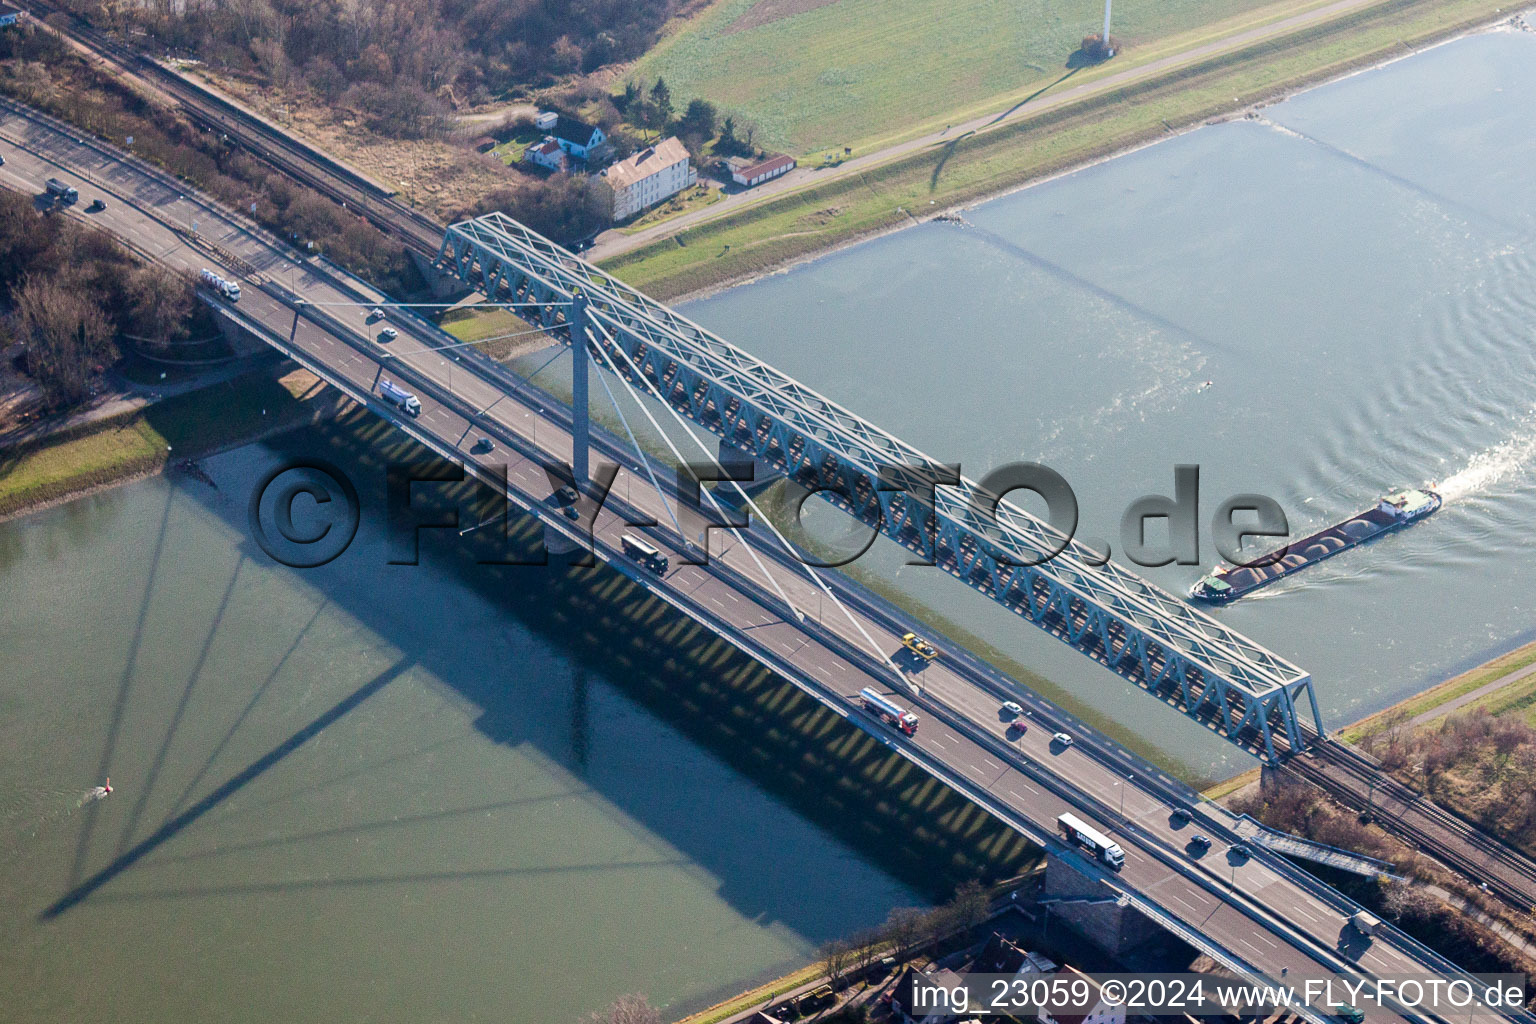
613,633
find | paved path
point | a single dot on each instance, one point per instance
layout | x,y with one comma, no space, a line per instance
1472,695
613,243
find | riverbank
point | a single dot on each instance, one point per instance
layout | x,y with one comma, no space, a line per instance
1480,686
811,221
138,443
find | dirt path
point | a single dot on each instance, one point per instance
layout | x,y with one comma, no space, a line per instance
613,243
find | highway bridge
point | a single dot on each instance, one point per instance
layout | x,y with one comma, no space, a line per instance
1257,914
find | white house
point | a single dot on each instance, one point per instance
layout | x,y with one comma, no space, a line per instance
546,154
755,172
651,175
581,140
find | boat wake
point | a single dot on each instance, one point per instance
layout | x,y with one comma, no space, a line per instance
1491,466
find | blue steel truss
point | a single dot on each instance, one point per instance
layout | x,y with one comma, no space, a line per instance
1211,673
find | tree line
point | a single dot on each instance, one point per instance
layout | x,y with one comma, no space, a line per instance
38,69
70,292
398,59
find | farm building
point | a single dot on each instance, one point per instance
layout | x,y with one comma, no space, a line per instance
755,172
648,177
9,15
546,154
581,140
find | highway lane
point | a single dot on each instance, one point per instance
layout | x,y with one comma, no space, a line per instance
1296,930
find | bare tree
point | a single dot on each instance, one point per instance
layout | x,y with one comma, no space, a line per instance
67,334
836,959
902,928
160,304
867,946
937,923
630,1009
969,906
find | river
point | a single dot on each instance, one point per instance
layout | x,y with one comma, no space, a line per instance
369,792
1352,272
359,792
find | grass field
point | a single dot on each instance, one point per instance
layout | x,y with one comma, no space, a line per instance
498,333
759,238
835,74
145,441
1518,696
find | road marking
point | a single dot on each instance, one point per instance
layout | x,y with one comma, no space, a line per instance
1176,896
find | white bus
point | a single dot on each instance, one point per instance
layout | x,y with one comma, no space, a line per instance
1075,830
888,712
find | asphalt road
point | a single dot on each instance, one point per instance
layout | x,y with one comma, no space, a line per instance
1251,908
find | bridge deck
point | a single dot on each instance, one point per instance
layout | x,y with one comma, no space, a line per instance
1211,673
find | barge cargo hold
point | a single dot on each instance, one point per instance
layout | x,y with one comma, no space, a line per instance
1392,512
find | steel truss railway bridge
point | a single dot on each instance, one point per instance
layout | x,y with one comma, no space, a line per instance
1211,673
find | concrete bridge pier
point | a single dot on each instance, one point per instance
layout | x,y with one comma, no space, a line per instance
1093,910
439,283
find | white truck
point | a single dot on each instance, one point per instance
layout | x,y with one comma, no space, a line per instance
1077,831
401,397
228,289
1365,923
61,192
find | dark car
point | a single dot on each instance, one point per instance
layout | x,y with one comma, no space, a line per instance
484,445
96,206
1199,843
566,497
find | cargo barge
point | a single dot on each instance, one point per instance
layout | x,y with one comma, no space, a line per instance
1392,512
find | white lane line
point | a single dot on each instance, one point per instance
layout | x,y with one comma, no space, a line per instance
1176,896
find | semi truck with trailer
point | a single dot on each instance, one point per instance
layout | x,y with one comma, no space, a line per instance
62,192
408,403
230,290
1078,832
645,553
888,711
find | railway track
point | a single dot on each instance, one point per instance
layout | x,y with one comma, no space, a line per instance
300,161
1359,783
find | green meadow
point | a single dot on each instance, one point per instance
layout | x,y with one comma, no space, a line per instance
820,75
